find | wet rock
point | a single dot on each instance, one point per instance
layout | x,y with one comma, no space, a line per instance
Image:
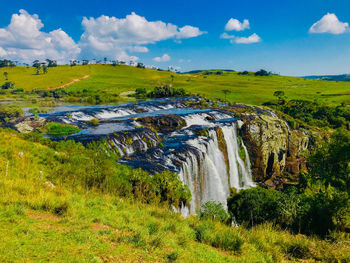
163,123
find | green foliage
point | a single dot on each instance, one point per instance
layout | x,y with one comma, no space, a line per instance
243,73
8,85
56,129
213,234
7,63
213,211
166,91
262,72
255,206
330,164
10,111
93,122
314,113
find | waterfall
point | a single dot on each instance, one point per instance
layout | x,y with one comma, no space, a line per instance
204,148
208,176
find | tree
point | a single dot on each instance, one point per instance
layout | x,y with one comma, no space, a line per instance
243,73
85,62
44,68
330,164
105,60
213,211
280,95
73,63
255,206
37,66
51,63
140,65
262,72
6,75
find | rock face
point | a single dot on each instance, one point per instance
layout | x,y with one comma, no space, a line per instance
274,148
164,123
29,124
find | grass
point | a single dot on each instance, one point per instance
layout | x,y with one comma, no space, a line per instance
57,129
43,218
121,80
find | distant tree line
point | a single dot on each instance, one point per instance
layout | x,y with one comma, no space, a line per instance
160,92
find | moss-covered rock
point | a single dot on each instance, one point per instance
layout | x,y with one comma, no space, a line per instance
270,142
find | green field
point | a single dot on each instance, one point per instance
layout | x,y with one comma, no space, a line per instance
119,80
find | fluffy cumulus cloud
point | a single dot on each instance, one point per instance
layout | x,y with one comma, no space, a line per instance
236,25
254,38
112,37
24,40
329,23
163,58
115,38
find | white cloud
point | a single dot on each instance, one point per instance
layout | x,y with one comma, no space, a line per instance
163,58
254,38
112,37
104,36
23,40
236,25
3,53
329,23
138,49
188,32
226,36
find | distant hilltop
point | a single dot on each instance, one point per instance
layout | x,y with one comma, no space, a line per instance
343,77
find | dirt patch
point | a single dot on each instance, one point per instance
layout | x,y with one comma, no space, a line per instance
72,82
42,216
99,227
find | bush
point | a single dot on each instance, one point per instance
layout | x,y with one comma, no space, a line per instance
262,72
218,236
93,122
255,206
213,211
7,112
166,91
8,85
57,129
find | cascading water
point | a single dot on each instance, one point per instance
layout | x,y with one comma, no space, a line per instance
203,148
214,176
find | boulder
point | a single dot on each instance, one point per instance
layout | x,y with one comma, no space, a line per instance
29,124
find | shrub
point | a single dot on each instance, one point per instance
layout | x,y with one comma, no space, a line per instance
8,85
218,236
57,129
10,112
255,206
213,211
262,72
93,122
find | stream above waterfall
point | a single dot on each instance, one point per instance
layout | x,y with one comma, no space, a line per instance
200,144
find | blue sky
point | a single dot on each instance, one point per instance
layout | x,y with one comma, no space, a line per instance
285,44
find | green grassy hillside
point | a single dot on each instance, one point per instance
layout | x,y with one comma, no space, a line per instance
49,212
106,79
